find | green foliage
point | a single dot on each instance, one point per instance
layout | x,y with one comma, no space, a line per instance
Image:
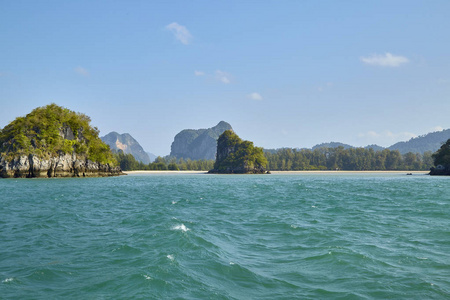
352,159
239,156
442,156
51,130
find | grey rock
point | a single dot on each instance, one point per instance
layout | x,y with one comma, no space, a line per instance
127,144
198,144
64,165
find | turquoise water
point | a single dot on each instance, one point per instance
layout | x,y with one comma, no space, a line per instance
364,236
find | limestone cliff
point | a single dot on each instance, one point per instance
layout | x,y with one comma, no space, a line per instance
53,141
198,144
127,144
63,165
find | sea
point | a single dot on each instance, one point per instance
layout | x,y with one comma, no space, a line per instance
200,236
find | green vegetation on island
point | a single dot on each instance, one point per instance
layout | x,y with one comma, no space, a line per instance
53,141
237,156
51,130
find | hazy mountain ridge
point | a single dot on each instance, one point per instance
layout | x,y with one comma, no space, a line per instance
429,142
127,144
332,145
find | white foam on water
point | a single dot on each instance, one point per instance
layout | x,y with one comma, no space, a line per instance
8,280
147,277
174,202
294,226
231,263
181,227
170,256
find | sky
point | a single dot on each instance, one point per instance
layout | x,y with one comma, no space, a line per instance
282,73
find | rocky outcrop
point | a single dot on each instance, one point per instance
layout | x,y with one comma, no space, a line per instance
235,156
127,144
198,144
440,171
64,165
53,141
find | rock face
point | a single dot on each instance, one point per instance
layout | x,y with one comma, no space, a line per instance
64,165
198,144
127,144
235,156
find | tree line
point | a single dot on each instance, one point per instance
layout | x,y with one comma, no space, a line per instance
353,159
127,162
286,159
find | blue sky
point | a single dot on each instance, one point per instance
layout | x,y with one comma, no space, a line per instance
282,73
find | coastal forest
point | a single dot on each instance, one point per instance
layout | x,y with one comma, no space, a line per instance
286,159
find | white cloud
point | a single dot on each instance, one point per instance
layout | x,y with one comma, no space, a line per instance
82,71
386,60
223,77
180,32
255,96
437,128
199,73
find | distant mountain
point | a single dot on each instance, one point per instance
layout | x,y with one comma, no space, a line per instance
151,156
198,144
375,147
332,145
428,142
127,144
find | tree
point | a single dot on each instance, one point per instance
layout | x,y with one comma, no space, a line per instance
442,156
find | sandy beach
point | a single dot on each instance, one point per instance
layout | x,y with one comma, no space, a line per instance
285,172
164,172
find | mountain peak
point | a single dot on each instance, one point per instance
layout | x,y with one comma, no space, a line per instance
127,144
198,144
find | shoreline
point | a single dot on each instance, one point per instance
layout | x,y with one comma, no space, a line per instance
283,172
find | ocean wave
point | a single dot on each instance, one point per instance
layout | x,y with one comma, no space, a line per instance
181,227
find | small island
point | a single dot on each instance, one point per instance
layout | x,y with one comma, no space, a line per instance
442,160
53,141
235,156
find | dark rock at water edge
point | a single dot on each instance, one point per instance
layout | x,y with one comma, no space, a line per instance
64,165
198,144
440,171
